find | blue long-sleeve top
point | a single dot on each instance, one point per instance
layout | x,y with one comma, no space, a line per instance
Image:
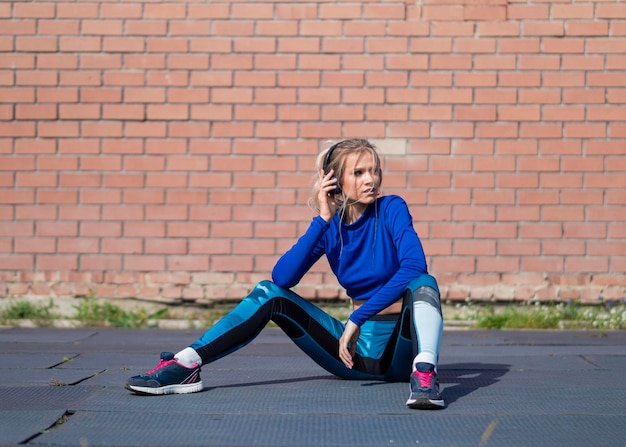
374,258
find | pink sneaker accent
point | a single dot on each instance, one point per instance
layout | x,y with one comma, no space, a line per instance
425,378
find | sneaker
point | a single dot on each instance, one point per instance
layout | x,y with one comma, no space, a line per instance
168,377
425,389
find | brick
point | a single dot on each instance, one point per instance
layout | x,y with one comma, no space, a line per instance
19,27
122,213
488,12
366,28
188,61
79,78
494,29
30,10
402,62
540,62
123,44
254,79
612,45
36,78
388,45
233,27
586,28
57,61
77,10
27,180
102,27
16,229
442,12
154,146
208,11
167,112
121,11
572,11
494,62
332,96
144,95
102,129
430,45
561,46
101,263
606,113
384,11
527,11
79,112
79,44
443,29
256,11
188,130
21,262
35,111
572,130
560,113
150,61
100,61
472,45
164,11
165,246
450,62
262,45
611,11
75,245
212,113
297,113
294,11
81,212
519,113
233,129
78,146
148,28
363,62
451,96
518,45
144,197
343,113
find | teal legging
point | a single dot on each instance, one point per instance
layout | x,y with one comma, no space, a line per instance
384,350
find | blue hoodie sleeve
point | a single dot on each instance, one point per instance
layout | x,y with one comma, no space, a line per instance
410,257
292,266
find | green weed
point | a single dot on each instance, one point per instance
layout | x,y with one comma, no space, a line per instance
40,314
571,315
93,313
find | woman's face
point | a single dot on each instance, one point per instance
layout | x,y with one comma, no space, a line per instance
360,181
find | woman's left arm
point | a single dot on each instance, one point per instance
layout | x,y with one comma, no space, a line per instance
411,259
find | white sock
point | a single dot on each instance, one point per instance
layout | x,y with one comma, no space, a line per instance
189,358
425,357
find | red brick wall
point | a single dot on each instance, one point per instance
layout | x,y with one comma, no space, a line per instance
165,149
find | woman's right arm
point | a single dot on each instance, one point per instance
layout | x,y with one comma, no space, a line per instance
292,266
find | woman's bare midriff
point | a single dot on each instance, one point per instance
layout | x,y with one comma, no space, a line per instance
395,308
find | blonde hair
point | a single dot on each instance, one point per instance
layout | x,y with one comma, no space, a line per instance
337,163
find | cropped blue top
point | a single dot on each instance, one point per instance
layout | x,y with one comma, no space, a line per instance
374,258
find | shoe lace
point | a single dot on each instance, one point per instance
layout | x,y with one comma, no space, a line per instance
425,378
162,364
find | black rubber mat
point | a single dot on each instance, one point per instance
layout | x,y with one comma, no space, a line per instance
502,388
17,426
288,430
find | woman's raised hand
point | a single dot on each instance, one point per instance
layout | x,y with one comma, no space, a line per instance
328,205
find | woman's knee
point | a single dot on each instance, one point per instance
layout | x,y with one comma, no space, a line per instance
267,290
424,280
424,290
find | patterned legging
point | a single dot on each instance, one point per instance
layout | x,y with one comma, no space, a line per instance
385,349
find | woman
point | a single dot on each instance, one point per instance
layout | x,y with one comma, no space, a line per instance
394,331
